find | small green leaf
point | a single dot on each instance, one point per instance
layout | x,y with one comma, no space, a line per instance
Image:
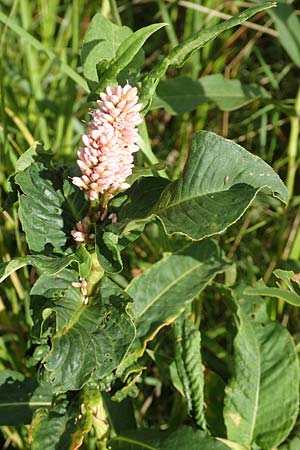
291,294
109,246
184,94
262,399
101,42
127,50
34,153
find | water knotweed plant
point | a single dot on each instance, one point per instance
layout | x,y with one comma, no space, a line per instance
95,329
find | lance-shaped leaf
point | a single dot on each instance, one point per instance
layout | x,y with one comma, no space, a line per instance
219,182
163,292
262,399
179,54
89,340
20,397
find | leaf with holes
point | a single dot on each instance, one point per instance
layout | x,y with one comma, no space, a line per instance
88,341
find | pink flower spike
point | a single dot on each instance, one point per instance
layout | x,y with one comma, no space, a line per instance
106,159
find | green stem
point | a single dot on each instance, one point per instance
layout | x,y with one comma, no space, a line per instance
293,145
114,12
146,148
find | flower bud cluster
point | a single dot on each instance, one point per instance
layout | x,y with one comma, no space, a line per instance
82,233
106,158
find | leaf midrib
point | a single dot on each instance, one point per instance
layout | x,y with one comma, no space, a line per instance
171,205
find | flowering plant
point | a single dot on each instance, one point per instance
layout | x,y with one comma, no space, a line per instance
91,329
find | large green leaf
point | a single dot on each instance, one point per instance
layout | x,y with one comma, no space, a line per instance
179,54
89,340
184,94
262,399
288,26
184,438
163,292
20,397
218,184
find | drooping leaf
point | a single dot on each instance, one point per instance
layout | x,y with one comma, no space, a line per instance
189,367
20,397
47,264
179,55
109,246
184,438
218,184
180,95
163,292
121,414
261,403
288,26
89,340
75,206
